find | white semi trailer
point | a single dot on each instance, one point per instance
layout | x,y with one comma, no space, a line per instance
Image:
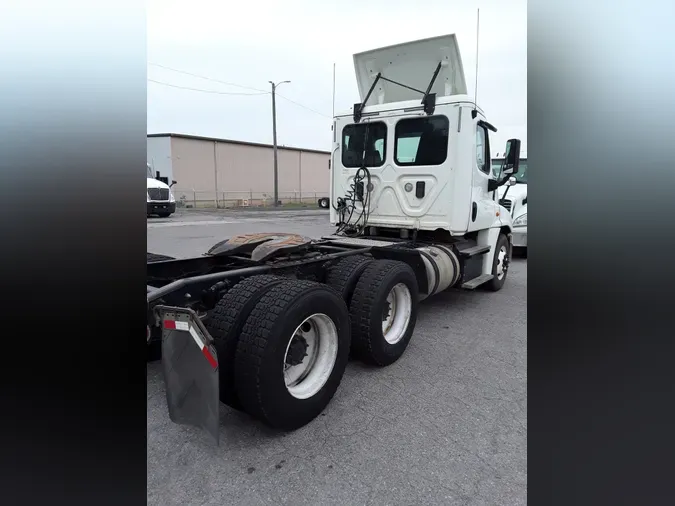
514,199
266,322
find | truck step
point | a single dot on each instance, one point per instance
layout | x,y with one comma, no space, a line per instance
473,251
476,282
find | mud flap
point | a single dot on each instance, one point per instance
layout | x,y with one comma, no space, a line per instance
190,365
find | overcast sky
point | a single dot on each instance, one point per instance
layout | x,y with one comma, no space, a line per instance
251,43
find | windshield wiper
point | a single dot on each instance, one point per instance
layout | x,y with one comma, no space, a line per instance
428,100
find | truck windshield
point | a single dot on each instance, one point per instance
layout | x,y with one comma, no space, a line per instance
149,171
521,177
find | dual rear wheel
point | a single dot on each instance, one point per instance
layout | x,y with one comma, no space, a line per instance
283,344
382,296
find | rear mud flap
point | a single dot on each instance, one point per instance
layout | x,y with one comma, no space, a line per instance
190,367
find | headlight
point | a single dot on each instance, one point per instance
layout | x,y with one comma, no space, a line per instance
520,221
171,197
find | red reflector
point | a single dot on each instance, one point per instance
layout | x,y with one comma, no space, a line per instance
209,357
169,324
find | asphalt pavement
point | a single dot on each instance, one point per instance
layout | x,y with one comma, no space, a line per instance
446,424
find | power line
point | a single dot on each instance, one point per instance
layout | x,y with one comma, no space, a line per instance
261,92
207,91
205,77
303,106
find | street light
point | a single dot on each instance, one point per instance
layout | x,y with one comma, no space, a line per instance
274,136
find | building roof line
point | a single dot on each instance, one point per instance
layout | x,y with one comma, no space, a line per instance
231,141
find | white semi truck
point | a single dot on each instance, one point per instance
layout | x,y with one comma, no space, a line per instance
265,323
161,201
514,199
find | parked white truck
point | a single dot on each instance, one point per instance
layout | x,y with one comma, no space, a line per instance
514,198
265,323
161,201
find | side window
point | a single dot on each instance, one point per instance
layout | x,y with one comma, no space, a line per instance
482,150
368,138
421,141
496,167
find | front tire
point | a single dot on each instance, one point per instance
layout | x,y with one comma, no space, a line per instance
383,311
500,263
296,324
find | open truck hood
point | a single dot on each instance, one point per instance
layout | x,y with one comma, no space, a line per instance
412,64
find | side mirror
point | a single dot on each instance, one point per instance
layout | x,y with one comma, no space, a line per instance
174,182
512,181
511,157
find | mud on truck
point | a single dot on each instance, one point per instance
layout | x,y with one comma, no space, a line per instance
265,323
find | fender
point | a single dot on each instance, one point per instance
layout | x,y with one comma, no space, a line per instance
488,237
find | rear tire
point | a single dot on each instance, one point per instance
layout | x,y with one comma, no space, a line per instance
268,340
387,288
225,322
500,264
344,275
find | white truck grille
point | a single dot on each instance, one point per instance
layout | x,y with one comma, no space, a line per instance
158,193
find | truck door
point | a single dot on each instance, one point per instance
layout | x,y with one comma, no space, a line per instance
483,207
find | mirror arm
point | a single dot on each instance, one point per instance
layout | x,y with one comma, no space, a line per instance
505,194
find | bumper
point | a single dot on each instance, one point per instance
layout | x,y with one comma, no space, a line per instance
519,237
161,207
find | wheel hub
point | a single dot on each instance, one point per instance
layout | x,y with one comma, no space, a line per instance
310,356
396,313
386,312
502,262
297,351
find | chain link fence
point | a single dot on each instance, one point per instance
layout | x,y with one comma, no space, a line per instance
204,199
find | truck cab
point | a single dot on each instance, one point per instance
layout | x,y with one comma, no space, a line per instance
407,167
161,201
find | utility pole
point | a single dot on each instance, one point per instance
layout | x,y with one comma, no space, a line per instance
274,136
